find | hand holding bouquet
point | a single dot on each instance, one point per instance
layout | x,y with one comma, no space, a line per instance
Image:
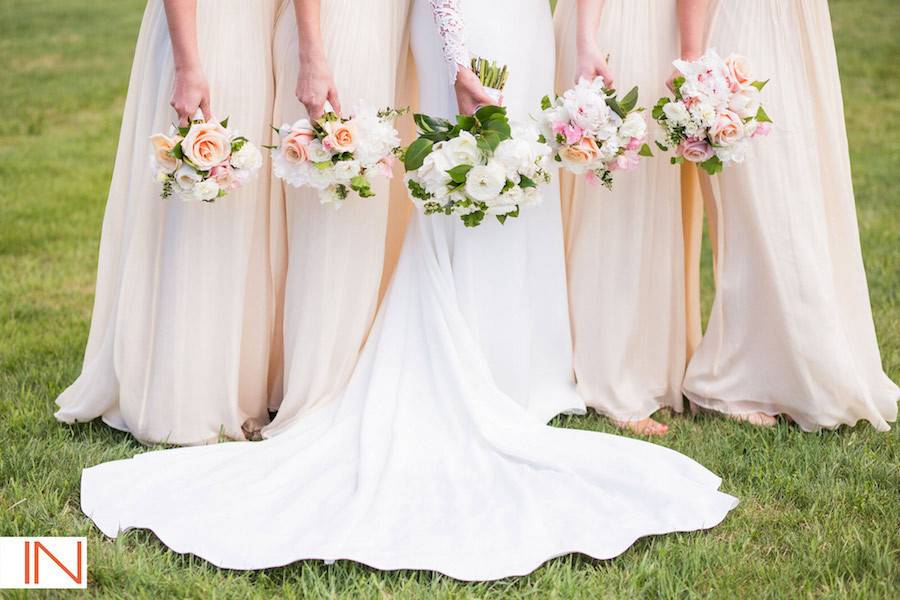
593,133
203,161
480,165
715,113
337,155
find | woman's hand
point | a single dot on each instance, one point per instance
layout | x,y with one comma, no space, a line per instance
315,86
191,93
590,63
470,93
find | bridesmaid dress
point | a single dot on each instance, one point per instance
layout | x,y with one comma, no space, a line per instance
624,248
423,462
791,328
330,260
184,311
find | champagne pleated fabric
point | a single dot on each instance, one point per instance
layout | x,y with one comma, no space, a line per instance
625,247
332,259
183,316
791,328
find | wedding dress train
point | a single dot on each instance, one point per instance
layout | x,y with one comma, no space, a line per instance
424,462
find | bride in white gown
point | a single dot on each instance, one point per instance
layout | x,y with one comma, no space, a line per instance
425,462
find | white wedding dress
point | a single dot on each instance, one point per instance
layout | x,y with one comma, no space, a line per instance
424,462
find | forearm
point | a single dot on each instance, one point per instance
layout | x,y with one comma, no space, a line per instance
692,20
309,31
181,16
589,12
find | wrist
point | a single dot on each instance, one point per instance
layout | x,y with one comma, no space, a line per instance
691,53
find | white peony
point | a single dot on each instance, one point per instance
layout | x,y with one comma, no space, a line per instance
485,182
734,153
746,102
588,108
433,172
377,137
247,158
635,126
517,156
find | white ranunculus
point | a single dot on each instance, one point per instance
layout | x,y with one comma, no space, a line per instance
186,178
635,126
462,150
485,182
677,113
247,158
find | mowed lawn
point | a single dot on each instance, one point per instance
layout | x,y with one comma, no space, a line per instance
819,513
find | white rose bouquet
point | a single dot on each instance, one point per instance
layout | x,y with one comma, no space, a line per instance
480,165
715,113
203,161
592,132
337,155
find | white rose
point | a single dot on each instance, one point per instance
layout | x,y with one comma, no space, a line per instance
186,178
485,182
635,126
433,172
462,150
677,113
516,156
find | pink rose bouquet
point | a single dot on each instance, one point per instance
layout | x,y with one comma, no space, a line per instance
203,161
592,132
716,111
337,155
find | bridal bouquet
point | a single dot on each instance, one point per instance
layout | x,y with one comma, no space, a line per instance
203,161
592,132
715,113
480,165
336,155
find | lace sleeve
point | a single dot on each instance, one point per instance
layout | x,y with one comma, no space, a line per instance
450,24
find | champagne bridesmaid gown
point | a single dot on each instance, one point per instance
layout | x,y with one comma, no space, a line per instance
791,328
625,247
423,461
183,316
331,259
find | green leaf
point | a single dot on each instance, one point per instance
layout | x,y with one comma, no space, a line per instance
183,131
465,123
645,151
500,126
761,116
485,113
224,122
676,160
427,124
473,219
177,151
661,147
713,165
545,103
488,141
658,112
616,107
526,182
677,83
459,172
630,100
416,153
760,84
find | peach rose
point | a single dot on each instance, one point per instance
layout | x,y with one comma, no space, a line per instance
738,72
207,145
162,148
295,146
727,129
341,136
695,150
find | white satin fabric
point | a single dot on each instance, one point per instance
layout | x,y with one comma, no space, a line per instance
184,313
791,327
426,461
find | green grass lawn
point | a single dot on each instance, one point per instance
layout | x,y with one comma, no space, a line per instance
819,513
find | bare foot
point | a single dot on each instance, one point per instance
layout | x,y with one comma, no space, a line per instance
647,426
755,418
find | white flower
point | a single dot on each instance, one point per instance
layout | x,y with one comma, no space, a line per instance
247,158
462,150
377,136
531,196
345,170
484,182
703,115
517,156
734,153
433,172
635,126
318,178
677,113
205,190
186,178
588,109
317,152
745,103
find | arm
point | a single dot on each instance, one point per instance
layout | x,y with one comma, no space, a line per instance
692,19
315,85
191,89
470,94
590,61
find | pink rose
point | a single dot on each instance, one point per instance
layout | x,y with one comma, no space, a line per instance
341,136
207,145
695,150
627,161
738,72
226,177
295,146
727,129
634,144
762,130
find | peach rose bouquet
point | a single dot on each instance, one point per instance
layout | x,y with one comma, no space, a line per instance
337,155
203,161
592,132
716,112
